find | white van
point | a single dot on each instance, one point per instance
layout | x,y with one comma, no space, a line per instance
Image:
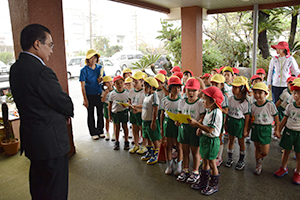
124,59
74,66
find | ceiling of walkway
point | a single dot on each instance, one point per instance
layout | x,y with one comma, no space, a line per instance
213,6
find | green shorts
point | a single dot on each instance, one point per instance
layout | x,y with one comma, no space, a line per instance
187,135
148,133
120,117
261,133
170,129
209,147
235,127
289,139
136,118
105,110
158,115
281,112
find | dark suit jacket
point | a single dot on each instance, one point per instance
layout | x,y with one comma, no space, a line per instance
43,107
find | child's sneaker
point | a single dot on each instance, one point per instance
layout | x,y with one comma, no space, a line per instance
117,146
257,170
219,161
183,176
169,169
113,138
148,154
154,157
107,136
142,150
296,178
281,172
229,162
193,178
247,140
134,149
240,165
126,145
178,168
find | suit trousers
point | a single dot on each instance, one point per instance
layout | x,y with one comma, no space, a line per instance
95,101
49,179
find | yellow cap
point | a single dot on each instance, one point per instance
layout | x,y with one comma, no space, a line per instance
297,80
90,53
127,70
128,80
144,75
107,79
261,86
152,81
138,75
218,78
160,77
239,81
227,69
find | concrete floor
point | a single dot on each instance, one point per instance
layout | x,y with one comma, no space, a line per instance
98,172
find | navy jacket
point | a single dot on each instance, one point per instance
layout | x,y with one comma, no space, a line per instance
43,107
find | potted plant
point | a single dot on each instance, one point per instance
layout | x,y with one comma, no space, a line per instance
8,142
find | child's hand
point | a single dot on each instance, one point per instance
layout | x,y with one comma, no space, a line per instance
153,126
246,133
134,110
277,134
226,128
192,122
110,119
199,132
177,123
123,106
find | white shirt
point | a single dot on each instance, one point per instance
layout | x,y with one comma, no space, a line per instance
285,95
293,114
213,119
170,105
228,89
148,103
280,71
161,94
264,114
136,97
107,96
225,101
116,97
237,109
195,109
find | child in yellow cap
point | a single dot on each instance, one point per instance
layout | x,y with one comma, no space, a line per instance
126,73
237,120
128,84
263,113
107,82
161,91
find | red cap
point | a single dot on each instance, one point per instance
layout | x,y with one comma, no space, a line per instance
291,79
282,45
179,74
260,71
255,77
298,76
206,75
235,70
162,71
117,78
295,88
216,69
193,84
176,69
189,71
216,94
174,80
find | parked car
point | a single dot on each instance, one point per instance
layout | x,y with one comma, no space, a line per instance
124,59
109,68
4,68
161,61
74,66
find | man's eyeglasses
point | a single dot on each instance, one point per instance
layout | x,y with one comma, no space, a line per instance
50,44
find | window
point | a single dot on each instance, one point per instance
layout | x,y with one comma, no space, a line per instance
123,57
129,57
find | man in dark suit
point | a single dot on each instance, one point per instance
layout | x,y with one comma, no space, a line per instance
44,109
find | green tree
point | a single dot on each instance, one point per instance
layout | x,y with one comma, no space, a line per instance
101,45
149,49
6,57
171,36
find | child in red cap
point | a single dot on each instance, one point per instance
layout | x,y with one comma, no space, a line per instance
117,113
186,75
291,135
283,98
192,105
262,73
206,79
209,140
175,69
168,128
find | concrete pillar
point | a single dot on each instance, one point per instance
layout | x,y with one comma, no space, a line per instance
49,14
191,41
